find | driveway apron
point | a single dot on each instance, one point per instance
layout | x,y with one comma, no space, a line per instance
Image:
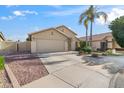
68,71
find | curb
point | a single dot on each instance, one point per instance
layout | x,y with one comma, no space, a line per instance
12,77
113,80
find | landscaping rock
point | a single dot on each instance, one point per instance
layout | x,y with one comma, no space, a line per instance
112,68
26,68
4,80
94,60
1,79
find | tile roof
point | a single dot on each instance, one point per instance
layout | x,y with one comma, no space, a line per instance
97,36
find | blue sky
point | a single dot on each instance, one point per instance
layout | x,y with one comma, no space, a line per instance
17,21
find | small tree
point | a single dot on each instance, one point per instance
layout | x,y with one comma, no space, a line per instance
117,27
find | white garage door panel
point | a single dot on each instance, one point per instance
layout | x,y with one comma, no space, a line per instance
50,45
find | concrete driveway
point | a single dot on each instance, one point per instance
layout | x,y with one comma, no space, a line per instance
69,71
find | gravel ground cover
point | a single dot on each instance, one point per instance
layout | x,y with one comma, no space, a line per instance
112,63
26,68
4,80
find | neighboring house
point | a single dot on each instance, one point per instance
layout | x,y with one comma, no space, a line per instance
2,37
103,41
56,39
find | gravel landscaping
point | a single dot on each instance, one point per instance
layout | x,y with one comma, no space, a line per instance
4,80
26,68
113,63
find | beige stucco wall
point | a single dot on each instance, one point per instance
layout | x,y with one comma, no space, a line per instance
73,43
109,45
95,44
71,35
24,46
9,47
109,39
33,46
47,35
66,45
67,32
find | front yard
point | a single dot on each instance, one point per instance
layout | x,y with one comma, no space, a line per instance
73,69
26,68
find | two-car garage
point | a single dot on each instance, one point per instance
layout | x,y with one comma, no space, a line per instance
49,46
49,40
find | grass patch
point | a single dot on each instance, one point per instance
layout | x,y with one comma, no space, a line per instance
2,60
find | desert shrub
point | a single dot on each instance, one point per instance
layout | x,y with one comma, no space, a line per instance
84,48
87,49
1,62
108,52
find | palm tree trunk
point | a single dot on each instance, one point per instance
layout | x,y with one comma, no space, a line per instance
86,37
91,33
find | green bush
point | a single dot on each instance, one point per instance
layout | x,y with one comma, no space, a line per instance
1,62
108,52
117,27
87,49
83,44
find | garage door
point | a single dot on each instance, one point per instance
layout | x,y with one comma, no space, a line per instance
50,45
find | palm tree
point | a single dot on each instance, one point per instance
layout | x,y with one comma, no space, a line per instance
91,14
86,26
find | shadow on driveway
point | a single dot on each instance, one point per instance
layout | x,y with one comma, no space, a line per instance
55,62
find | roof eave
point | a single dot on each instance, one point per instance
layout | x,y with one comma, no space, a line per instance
67,28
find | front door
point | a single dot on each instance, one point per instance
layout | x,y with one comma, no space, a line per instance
103,45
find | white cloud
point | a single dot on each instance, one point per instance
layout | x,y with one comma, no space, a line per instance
115,13
7,17
23,13
8,6
65,12
17,14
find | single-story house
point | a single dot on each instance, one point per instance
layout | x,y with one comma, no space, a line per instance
2,38
57,39
103,41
